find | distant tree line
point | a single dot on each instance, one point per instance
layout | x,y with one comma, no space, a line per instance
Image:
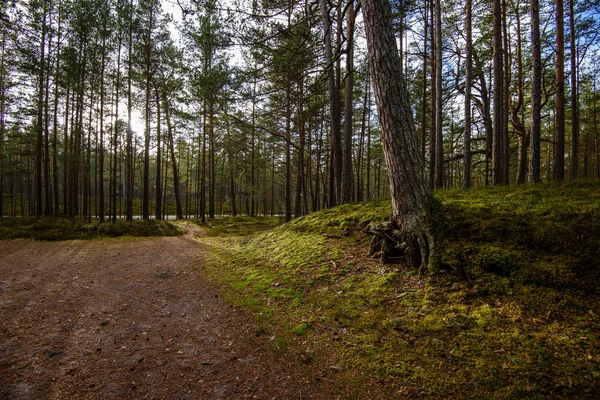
268,107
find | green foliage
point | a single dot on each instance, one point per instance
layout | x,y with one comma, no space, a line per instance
64,229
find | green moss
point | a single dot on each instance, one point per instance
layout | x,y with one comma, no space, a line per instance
512,314
302,327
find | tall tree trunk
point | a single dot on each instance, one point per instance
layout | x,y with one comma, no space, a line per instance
485,108
318,171
439,145
66,155
574,95
505,97
202,171
55,176
253,151
101,144
77,132
363,131
347,177
288,157
433,116
158,203
300,192
40,117
468,83
424,97
536,94
47,180
3,91
148,76
335,108
178,207
116,132
498,67
559,156
411,199
369,197
515,110
212,187
129,163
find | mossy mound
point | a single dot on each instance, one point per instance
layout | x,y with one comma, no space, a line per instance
513,312
546,235
50,228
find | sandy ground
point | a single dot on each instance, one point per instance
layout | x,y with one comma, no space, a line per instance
129,319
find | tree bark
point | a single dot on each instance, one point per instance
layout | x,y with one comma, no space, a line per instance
3,84
40,118
468,84
433,113
129,163
178,207
148,83
101,144
515,109
536,94
347,177
498,67
439,140
158,183
116,132
335,108
55,121
574,96
212,186
505,97
559,155
411,199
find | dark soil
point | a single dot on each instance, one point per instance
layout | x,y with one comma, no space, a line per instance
130,319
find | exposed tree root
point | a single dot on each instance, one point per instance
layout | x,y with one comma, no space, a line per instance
392,244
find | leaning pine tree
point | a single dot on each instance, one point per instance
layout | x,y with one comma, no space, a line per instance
410,229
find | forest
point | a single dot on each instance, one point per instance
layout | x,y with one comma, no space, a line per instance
300,199
139,109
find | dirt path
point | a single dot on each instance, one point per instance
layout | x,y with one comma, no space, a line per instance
128,319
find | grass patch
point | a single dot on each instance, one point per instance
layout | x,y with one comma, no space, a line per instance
51,228
513,312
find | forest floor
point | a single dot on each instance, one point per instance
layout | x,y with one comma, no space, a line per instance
125,318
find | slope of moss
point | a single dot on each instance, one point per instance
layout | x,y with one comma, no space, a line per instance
513,312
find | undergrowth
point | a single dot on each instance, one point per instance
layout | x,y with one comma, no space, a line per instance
513,312
51,228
